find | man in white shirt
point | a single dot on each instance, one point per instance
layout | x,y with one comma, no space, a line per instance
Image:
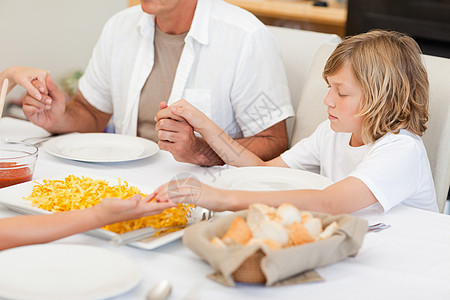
218,57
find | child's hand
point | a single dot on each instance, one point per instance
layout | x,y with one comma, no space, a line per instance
176,125
25,76
165,113
193,191
198,120
112,210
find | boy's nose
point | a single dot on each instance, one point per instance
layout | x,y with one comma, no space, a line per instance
328,101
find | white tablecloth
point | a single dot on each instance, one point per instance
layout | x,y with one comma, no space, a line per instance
410,260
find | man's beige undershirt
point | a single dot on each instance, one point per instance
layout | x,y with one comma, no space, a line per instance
159,83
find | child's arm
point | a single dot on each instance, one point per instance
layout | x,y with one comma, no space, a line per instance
26,230
24,76
345,196
229,150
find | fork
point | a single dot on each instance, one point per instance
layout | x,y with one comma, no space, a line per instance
40,139
378,227
139,234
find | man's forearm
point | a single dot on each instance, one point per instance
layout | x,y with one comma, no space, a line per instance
265,147
205,156
80,116
269,143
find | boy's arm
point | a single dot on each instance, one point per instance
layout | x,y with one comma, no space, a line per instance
345,196
231,151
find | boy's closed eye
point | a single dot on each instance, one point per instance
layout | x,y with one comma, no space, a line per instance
340,93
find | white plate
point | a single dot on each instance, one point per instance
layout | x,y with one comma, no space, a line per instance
71,272
13,198
270,179
100,147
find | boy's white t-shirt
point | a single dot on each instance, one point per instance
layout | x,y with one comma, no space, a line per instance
395,167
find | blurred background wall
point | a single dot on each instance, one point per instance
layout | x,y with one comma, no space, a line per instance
58,35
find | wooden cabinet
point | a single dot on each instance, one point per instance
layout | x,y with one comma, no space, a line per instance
331,19
323,19
133,2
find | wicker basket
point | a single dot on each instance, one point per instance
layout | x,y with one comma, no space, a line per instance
250,271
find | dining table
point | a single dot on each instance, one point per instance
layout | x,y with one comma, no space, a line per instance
409,260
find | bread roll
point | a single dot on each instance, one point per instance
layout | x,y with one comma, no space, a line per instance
298,234
329,231
258,213
275,228
314,226
272,230
238,233
217,242
271,244
305,215
289,214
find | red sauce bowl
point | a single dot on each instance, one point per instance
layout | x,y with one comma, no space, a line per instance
17,162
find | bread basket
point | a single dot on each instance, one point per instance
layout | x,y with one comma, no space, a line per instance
258,264
250,270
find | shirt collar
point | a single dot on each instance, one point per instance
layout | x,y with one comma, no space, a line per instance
198,30
146,25
200,23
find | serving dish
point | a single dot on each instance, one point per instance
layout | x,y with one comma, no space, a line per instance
13,197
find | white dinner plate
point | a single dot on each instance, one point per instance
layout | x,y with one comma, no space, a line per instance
100,147
62,271
270,179
13,197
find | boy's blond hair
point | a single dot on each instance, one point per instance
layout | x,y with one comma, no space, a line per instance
388,67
